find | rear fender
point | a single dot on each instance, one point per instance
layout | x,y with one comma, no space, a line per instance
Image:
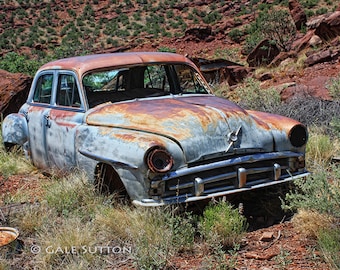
15,129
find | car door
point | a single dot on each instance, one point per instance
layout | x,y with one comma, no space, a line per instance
63,119
37,117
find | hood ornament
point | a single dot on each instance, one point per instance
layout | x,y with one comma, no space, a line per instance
232,137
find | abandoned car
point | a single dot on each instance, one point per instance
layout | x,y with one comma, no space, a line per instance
147,125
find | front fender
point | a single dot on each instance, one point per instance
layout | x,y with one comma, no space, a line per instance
125,151
288,133
15,129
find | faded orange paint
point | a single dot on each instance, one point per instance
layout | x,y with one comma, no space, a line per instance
275,121
82,64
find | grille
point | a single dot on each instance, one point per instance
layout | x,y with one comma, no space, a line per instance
226,175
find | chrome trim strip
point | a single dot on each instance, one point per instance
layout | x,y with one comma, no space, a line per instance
230,162
184,199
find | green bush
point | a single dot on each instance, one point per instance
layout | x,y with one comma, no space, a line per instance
15,63
158,235
251,96
276,26
319,192
236,34
333,87
329,243
222,221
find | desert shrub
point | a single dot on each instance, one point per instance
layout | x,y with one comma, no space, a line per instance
72,195
335,124
320,148
310,222
167,49
334,87
319,192
311,110
309,3
317,199
250,95
15,63
158,235
222,221
62,245
329,243
236,34
13,162
275,25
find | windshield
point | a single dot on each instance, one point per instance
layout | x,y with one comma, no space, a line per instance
114,85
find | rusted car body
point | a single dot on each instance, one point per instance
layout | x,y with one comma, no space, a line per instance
147,125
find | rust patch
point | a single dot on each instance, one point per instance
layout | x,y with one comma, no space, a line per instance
276,121
7,235
82,64
63,117
174,115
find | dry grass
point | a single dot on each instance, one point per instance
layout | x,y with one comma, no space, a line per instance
310,223
321,148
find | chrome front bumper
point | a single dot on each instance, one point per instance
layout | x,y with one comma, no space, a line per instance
234,175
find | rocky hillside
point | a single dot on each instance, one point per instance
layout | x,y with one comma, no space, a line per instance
225,35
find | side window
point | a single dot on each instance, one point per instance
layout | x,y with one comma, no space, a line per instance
190,81
67,91
156,77
43,89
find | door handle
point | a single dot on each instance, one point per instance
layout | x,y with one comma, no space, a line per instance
47,120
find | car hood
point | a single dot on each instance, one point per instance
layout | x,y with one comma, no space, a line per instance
204,126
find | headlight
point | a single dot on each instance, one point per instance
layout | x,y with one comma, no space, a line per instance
298,135
159,160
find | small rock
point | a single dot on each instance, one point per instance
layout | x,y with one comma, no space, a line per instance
267,236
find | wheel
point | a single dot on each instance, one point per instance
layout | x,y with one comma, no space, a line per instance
107,181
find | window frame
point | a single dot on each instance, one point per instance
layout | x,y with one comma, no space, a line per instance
53,103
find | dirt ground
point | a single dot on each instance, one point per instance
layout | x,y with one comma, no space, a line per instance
264,247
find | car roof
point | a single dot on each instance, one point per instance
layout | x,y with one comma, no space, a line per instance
82,64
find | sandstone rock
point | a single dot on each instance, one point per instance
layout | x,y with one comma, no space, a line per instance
303,42
297,13
267,236
262,54
319,57
282,56
314,41
221,71
198,33
14,89
326,26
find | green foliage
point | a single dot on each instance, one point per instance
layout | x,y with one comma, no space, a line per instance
335,124
166,49
321,11
12,163
72,195
319,192
236,34
309,3
274,25
15,63
251,96
223,221
329,243
160,234
334,87
212,17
